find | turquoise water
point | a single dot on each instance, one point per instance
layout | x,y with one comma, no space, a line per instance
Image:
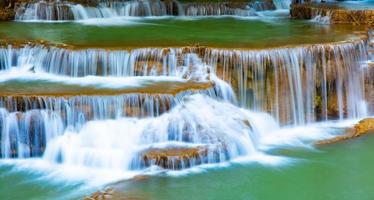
223,32
28,184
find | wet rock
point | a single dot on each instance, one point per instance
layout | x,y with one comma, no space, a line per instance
112,195
363,127
6,14
100,195
177,158
336,15
349,134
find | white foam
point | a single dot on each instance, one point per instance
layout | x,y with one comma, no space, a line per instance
23,75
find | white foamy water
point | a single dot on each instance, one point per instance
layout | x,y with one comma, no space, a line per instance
65,11
138,82
108,150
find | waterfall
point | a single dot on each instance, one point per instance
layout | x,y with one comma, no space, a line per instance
208,9
128,132
63,11
282,4
44,11
190,125
24,135
22,114
314,80
301,79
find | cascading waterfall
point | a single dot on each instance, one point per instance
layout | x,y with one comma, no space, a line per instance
311,83
63,11
127,8
71,113
29,121
190,125
127,132
44,11
70,11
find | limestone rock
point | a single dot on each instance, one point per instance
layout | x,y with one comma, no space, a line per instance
363,127
176,158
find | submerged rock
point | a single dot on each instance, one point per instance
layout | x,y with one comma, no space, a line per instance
100,195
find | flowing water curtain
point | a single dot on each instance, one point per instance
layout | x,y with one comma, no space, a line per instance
70,11
28,122
190,125
62,11
287,82
296,85
282,4
26,134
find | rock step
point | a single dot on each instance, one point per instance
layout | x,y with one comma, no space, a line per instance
180,158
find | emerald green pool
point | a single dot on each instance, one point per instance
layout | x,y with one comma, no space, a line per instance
337,171
165,32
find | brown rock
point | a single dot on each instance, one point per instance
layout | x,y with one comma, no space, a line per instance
177,158
6,14
363,127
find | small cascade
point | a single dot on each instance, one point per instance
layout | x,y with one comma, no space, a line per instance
121,144
61,113
322,16
24,135
297,85
138,62
369,72
70,11
127,8
209,9
44,11
282,4
62,11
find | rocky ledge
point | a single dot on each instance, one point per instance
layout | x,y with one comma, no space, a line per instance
178,158
363,127
333,14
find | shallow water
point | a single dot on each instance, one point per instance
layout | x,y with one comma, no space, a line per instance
224,32
39,84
